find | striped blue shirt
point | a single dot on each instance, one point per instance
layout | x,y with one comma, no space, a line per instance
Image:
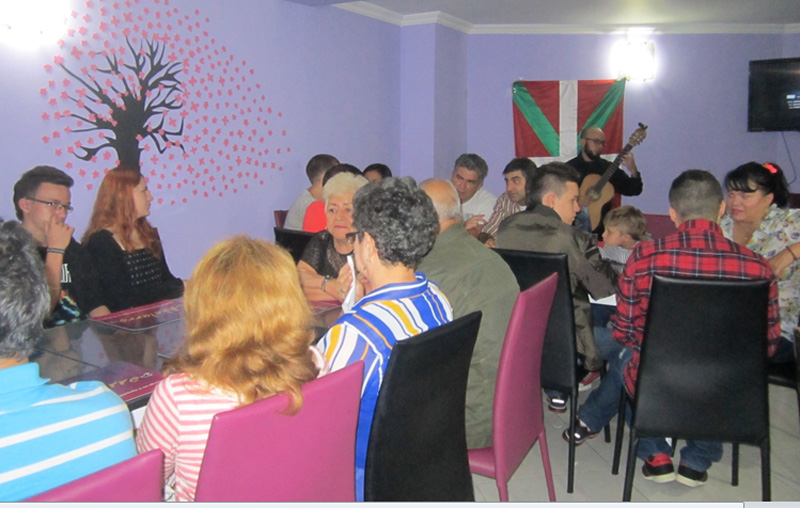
51,434
381,318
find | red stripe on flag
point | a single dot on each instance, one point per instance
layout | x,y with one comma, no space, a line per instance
546,96
590,93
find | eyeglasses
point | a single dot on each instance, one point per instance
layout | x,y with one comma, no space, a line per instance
55,205
601,142
351,237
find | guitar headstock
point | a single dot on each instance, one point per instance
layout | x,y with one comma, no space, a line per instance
638,135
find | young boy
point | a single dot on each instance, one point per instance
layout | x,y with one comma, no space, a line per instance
624,228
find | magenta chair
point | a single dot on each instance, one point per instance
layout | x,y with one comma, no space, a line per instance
517,419
258,453
139,479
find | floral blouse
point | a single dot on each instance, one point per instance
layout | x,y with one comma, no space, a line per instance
779,228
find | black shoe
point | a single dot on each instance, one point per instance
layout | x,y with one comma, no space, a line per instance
557,404
690,477
658,468
582,433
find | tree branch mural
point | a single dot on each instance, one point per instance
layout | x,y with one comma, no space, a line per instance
145,85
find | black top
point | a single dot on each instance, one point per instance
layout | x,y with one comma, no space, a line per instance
322,256
130,279
80,288
623,184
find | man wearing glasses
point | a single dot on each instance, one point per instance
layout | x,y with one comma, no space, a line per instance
589,162
42,202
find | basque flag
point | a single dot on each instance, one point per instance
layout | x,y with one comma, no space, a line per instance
550,115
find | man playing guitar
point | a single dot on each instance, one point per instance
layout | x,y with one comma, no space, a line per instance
589,162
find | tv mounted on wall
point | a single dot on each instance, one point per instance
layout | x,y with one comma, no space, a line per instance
774,98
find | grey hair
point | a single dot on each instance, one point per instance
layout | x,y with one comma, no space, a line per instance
400,217
696,194
24,297
446,210
342,185
472,162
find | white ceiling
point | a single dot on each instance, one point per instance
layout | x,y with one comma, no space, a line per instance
585,16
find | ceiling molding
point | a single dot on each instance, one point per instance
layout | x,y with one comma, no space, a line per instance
370,10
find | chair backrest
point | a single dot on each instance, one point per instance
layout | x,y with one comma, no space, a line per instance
280,217
517,420
702,372
293,241
138,479
258,453
418,446
559,359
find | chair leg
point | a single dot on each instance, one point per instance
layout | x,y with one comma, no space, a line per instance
735,465
620,432
766,473
573,414
630,467
502,489
548,473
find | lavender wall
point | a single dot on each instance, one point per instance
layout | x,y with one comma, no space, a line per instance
696,107
332,75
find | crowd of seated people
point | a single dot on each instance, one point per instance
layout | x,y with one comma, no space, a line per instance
249,321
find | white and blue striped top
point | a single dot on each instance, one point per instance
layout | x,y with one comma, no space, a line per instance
381,318
51,434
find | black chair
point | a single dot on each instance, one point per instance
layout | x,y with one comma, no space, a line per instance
418,444
702,371
293,241
560,369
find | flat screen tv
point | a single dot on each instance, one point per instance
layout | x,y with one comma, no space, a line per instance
774,97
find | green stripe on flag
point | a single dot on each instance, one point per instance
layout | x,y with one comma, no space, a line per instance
606,108
539,123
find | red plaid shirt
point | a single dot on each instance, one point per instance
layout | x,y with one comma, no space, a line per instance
699,250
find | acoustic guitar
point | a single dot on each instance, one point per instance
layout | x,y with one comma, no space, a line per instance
597,188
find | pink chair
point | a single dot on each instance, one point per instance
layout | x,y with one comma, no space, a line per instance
139,479
517,419
257,453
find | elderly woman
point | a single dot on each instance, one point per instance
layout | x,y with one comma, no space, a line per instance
324,273
757,218
247,338
395,225
125,248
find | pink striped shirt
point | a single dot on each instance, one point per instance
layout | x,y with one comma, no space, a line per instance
177,421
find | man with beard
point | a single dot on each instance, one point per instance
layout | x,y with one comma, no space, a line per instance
589,162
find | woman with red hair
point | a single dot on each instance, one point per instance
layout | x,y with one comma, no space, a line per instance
125,248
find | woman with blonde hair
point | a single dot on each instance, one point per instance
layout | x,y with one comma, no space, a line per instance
125,248
248,336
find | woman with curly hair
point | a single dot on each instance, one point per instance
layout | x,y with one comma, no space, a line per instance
248,336
125,248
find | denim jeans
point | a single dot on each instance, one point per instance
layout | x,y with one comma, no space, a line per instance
602,405
606,346
582,220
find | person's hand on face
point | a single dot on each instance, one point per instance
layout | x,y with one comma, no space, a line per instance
57,232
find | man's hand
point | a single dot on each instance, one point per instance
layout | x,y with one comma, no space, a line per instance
57,233
629,162
474,224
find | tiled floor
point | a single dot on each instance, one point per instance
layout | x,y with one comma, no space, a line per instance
594,481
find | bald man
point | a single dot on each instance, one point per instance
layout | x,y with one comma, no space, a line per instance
589,162
473,278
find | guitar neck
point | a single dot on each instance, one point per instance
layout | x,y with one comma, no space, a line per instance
597,187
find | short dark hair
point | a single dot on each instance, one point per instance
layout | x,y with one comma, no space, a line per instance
24,296
399,216
30,181
523,164
696,194
767,177
552,177
382,169
339,168
319,164
472,162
